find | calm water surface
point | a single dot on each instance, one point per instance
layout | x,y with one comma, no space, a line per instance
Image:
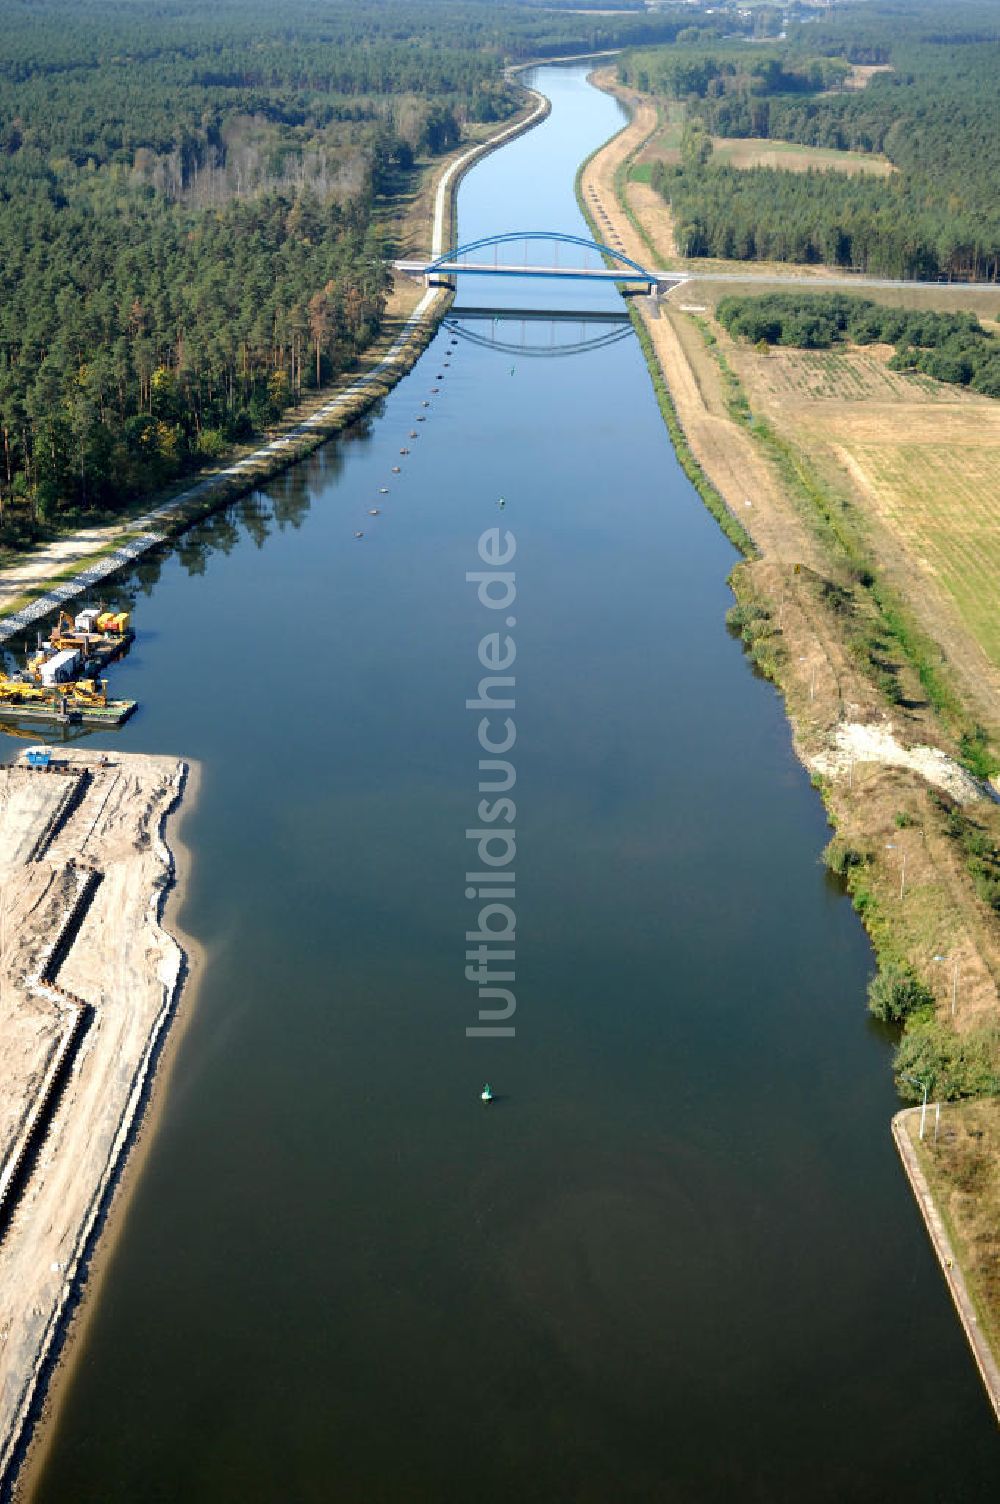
677,1261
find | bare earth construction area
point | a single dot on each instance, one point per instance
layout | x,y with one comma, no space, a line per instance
88,979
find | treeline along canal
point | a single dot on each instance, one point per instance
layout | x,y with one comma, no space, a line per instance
676,1259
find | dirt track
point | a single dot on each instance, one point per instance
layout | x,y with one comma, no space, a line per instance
728,457
104,997
825,692
878,762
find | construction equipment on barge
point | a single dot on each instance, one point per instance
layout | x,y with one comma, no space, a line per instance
83,702
80,647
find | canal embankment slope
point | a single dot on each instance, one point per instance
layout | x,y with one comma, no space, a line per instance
931,1147
883,687
90,978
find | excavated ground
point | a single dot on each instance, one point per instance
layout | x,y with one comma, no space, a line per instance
103,1000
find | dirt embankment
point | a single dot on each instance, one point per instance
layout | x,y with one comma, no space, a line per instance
875,701
954,1171
89,979
877,760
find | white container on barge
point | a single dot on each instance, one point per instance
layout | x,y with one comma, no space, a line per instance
61,668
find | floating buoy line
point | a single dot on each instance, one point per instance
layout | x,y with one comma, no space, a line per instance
384,491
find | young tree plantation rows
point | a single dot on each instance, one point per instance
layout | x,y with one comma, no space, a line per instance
948,346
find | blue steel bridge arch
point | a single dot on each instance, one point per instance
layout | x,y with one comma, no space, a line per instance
510,236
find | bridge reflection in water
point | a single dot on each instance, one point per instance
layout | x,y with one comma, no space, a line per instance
539,332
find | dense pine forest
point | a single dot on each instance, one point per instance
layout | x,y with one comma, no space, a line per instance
189,233
932,111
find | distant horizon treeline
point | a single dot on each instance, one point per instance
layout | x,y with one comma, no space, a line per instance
189,225
934,115
186,225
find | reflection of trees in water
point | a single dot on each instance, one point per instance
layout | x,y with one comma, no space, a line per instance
284,502
256,516
141,579
362,426
218,533
291,491
290,494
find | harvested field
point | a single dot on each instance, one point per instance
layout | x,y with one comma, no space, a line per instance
920,461
861,74
789,156
87,981
938,495
849,375
664,145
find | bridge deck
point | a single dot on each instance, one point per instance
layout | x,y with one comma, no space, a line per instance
508,269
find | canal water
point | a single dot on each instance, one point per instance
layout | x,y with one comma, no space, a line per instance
676,1260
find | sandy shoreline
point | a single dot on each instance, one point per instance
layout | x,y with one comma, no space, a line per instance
69,1348
126,951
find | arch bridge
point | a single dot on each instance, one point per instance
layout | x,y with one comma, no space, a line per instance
474,258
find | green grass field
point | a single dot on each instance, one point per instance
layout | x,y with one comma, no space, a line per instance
791,157
665,146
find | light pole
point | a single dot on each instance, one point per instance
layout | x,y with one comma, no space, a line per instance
812,676
954,981
891,846
924,1087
